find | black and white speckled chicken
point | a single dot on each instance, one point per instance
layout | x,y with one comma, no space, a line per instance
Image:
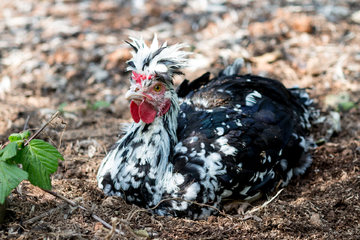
231,137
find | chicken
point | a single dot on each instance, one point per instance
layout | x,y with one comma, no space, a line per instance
227,138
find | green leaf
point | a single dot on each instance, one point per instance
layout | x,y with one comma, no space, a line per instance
99,104
9,151
15,137
40,159
61,107
346,106
10,177
19,136
25,135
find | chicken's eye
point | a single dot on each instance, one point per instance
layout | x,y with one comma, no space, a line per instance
157,88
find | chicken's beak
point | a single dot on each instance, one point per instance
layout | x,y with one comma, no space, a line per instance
135,95
132,95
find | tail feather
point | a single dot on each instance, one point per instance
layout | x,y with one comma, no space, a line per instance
306,101
234,68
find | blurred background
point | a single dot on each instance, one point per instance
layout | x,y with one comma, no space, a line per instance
69,52
70,56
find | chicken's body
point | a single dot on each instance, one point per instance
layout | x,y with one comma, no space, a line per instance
232,137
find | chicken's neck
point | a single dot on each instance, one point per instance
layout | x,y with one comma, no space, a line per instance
145,153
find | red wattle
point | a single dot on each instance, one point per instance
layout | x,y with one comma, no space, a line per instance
146,112
134,110
166,107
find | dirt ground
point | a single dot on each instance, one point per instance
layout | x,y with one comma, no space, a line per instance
69,55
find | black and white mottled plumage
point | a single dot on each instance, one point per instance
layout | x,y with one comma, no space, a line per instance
231,137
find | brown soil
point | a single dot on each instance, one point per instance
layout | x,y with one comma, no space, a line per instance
68,55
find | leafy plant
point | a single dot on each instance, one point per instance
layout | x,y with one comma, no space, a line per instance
62,106
98,104
38,158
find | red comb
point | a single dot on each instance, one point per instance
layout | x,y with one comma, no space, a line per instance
140,77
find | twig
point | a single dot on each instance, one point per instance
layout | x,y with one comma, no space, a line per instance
109,235
41,129
339,68
81,207
26,123
266,203
48,213
62,122
178,199
127,226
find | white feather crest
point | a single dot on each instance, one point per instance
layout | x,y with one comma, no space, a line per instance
156,59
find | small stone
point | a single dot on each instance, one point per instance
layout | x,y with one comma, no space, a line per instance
91,151
109,98
344,176
355,17
313,66
108,202
98,226
260,28
315,219
347,151
57,82
303,24
5,85
101,75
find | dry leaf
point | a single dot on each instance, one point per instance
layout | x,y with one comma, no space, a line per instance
267,57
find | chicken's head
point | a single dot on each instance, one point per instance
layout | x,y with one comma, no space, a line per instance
150,98
153,69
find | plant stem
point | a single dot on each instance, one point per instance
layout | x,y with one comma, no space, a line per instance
81,207
41,129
